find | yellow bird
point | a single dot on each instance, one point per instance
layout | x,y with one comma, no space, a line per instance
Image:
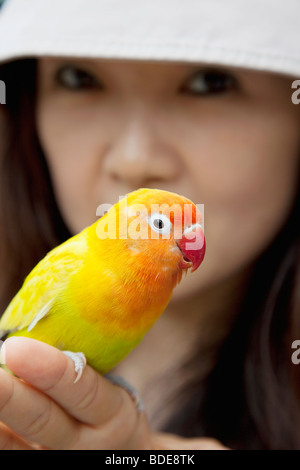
102,290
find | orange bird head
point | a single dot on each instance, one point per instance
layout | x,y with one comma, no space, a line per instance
163,228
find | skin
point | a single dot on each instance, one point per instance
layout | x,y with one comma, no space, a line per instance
147,125
235,151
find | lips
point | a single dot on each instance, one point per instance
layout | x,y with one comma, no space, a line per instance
192,246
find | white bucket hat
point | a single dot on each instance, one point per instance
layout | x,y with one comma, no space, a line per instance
256,34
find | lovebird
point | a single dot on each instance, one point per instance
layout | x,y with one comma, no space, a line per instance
100,291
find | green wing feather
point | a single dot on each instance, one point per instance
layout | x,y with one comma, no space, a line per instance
43,285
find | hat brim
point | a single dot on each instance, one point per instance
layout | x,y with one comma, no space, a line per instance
209,31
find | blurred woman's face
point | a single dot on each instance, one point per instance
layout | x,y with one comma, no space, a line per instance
228,138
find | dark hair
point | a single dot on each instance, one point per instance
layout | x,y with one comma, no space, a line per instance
30,222
251,397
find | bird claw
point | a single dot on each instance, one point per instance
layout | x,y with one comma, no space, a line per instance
119,381
79,362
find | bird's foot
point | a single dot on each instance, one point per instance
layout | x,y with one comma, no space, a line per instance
117,380
79,362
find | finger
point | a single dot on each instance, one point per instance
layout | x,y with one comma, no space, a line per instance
165,441
33,415
10,441
92,400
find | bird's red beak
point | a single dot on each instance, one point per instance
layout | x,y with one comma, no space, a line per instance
192,246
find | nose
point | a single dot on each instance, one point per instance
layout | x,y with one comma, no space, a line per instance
138,156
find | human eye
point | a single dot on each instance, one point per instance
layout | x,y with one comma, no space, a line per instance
76,78
208,82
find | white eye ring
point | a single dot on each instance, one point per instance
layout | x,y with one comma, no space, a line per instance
160,223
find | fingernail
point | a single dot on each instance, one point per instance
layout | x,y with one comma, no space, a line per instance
2,353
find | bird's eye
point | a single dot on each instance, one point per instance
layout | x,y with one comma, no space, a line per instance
160,223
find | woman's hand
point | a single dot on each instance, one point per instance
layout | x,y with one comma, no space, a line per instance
45,409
